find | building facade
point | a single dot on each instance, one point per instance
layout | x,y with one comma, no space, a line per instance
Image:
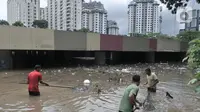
194,25
25,11
94,17
112,28
143,17
44,13
64,14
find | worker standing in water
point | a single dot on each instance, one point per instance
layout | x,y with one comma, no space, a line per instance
152,80
34,78
129,100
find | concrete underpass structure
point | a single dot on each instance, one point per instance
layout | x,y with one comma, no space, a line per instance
24,47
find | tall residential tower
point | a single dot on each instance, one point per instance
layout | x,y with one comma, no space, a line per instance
25,11
64,14
112,28
143,17
94,17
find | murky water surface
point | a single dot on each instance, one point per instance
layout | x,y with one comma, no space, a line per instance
173,79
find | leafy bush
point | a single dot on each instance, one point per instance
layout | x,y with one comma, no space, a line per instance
194,54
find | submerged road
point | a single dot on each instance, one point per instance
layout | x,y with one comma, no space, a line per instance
173,79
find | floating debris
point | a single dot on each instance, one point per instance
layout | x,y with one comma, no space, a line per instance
86,82
59,71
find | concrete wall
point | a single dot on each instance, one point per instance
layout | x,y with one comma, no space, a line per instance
20,38
93,41
4,38
135,44
111,42
42,39
168,45
152,44
70,40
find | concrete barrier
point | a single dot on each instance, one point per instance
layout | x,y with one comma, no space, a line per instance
153,44
4,37
93,42
42,39
75,41
21,38
135,44
111,42
168,45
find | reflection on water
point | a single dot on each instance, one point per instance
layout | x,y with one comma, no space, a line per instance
86,99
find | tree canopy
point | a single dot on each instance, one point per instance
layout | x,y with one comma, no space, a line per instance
3,22
18,23
173,5
84,30
40,24
188,36
151,35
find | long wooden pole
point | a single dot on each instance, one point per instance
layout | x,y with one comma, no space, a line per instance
71,87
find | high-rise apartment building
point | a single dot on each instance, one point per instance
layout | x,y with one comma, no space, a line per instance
64,14
44,13
143,17
94,17
25,11
112,28
194,25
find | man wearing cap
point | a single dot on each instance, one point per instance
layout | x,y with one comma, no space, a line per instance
33,80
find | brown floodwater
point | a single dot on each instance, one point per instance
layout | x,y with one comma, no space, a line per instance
173,79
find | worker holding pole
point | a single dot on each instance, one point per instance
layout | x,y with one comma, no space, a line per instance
34,78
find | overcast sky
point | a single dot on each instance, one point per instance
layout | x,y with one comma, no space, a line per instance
117,10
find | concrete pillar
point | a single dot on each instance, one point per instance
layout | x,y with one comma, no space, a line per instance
114,57
100,58
68,57
50,58
6,60
150,57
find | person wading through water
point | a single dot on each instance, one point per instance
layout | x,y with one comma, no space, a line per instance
128,101
34,78
152,80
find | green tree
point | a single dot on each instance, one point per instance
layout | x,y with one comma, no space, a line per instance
3,22
188,35
137,35
84,30
173,5
40,24
193,53
18,23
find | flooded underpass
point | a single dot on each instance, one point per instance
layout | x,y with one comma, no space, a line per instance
173,79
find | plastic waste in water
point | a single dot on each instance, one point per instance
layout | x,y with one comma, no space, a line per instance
59,71
193,81
86,82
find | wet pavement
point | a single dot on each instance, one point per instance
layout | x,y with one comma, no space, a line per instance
111,80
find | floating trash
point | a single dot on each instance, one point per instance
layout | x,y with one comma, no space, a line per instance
73,73
86,82
125,71
193,81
